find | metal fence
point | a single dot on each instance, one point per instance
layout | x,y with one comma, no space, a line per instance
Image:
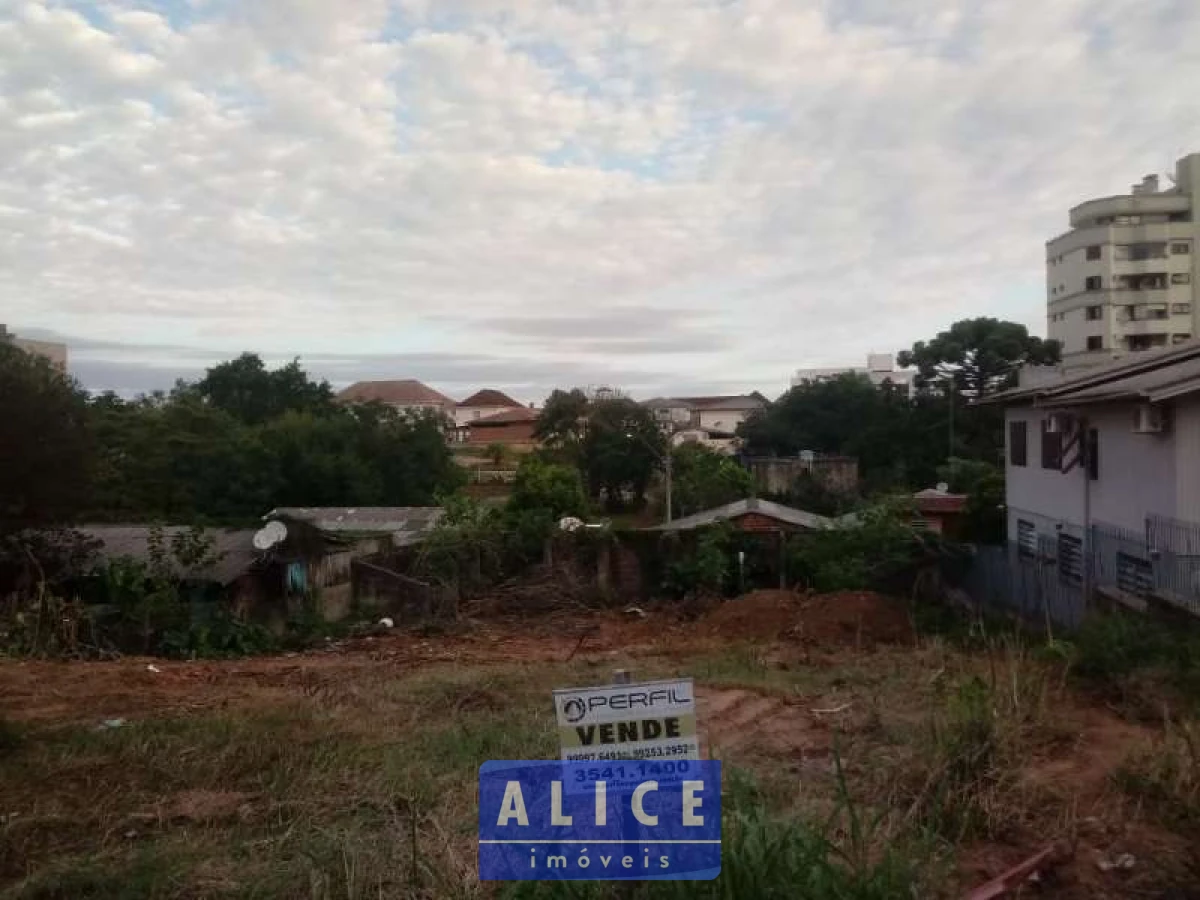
1030,585
1056,572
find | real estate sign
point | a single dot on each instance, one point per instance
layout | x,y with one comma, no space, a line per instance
650,720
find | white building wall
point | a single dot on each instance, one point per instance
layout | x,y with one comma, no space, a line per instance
1140,474
465,415
721,419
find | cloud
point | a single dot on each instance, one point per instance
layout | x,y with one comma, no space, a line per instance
687,192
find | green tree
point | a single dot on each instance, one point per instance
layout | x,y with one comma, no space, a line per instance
562,423
703,478
622,449
251,393
983,483
895,441
553,488
45,447
980,356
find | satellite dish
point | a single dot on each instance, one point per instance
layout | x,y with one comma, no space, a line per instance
269,535
570,523
942,487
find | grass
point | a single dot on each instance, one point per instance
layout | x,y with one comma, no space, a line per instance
361,783
1165,776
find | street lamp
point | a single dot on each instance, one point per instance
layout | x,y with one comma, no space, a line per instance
665,459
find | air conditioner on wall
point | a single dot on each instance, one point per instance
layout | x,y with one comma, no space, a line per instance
1149,419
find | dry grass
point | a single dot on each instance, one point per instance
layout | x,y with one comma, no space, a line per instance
354,777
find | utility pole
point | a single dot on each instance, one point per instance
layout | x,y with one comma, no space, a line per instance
667,466
950,394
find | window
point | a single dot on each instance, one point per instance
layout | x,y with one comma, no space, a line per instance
1180,217
1092,454
1051,447
1180,338
1095,342
476,413
1070,558
1093,252
1181,308
1092,283
1027,541
1018,443
1093,313
1181,247
1181,278
1134,575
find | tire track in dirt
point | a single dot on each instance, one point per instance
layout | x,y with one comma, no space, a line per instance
741,721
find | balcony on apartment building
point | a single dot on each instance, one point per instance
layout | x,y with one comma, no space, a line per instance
1126,209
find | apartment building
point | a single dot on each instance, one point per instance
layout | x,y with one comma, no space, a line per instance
880,369
1123,279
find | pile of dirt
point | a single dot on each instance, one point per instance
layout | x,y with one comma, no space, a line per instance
860,618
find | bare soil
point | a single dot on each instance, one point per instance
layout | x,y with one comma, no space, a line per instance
781,714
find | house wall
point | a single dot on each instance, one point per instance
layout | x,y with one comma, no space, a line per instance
721,419
1138,472
757,522
465,415
1186,431
511,433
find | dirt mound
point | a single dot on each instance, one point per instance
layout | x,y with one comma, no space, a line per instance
847,617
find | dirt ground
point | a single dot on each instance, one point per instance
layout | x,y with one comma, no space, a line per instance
781,679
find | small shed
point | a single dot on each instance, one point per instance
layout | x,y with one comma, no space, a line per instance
753,515
238,572
764,524
325,543
939,511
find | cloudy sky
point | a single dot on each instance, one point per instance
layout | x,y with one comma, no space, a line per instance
666,195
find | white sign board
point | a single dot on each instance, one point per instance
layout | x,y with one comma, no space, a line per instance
651,720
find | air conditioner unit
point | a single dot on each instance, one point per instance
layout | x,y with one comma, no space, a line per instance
1149,419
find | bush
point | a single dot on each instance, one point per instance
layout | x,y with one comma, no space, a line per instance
550,487
701,567
876,551
1112,646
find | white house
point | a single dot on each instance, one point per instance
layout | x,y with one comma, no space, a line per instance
719,416
1116,447
481,404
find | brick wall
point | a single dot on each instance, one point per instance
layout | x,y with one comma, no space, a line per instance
511,433
758,522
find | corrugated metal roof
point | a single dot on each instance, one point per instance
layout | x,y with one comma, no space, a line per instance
1137,376
403,522
798,517
233,547
1137,385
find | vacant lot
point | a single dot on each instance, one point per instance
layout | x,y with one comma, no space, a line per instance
863,761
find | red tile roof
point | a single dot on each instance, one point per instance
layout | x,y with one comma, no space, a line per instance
489,397
404,392
932,501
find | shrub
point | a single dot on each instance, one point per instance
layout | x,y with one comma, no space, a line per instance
699,567
1112,647
1166,776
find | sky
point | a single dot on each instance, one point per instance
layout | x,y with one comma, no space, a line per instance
668,196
